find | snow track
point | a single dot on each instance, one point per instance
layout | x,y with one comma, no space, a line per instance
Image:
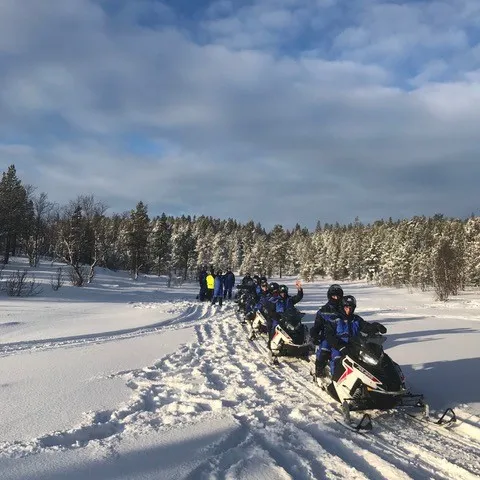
188,315
285,425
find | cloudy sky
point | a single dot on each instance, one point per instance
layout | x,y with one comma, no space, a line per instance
280,111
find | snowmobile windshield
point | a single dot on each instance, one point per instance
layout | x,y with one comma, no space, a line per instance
370,357
376,339
292,319
370,349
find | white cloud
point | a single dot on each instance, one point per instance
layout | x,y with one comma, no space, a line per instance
78,81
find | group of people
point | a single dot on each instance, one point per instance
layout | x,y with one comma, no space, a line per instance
215,286
271,299
335,323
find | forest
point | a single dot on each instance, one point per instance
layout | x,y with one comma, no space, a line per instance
437,253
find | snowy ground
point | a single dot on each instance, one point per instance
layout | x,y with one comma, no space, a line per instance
131,380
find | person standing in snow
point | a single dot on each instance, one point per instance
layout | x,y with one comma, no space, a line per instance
202,279
218,289
210,280
332,309
229,283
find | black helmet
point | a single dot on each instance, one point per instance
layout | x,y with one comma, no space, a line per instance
264,283
335,290
349,301
283,289
256,279
263,279
273,287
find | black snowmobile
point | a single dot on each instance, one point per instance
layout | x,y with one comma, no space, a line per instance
290,337
245,299
368,379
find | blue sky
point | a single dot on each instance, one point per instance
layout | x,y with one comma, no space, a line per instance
280,111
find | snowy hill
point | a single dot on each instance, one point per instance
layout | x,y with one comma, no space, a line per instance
131,379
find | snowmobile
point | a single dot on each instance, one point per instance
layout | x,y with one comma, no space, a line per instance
245,300
368,379
290,337
257,324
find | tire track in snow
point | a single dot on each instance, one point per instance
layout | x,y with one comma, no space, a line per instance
192,314
285,423
264,413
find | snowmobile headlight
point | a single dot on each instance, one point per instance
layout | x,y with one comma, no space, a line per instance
367,358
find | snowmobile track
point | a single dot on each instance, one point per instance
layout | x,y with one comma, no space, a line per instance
284,421
192,315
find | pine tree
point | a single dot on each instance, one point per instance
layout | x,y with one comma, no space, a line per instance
161,244
183,247
15,212
137,234
278,249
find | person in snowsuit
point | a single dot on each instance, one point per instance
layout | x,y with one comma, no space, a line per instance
218,289
262,298
210,280
245,296
332,309
341,329
229,283
202,276
279,302
261,301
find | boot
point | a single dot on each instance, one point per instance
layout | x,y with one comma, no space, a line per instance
320,368
321,363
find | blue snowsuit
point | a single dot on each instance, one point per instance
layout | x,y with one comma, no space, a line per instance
339,331
277,305
327,313
229,283
218,290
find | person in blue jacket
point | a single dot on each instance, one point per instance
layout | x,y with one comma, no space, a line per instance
279,302
218,289
229,283
326,313
262,298
347,325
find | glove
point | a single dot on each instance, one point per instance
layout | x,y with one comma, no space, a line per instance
344,351
380,328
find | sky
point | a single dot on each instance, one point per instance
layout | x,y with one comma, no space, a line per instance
279,111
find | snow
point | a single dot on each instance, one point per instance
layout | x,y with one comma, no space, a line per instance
134,380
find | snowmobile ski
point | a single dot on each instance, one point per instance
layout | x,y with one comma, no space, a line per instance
447,418
363,426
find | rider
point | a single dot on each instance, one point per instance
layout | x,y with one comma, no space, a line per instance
339,330
280,302
285,301
262,297
326,313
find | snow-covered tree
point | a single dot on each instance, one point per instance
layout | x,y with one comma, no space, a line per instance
138,231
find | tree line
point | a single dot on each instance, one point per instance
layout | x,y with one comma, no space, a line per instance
421,252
